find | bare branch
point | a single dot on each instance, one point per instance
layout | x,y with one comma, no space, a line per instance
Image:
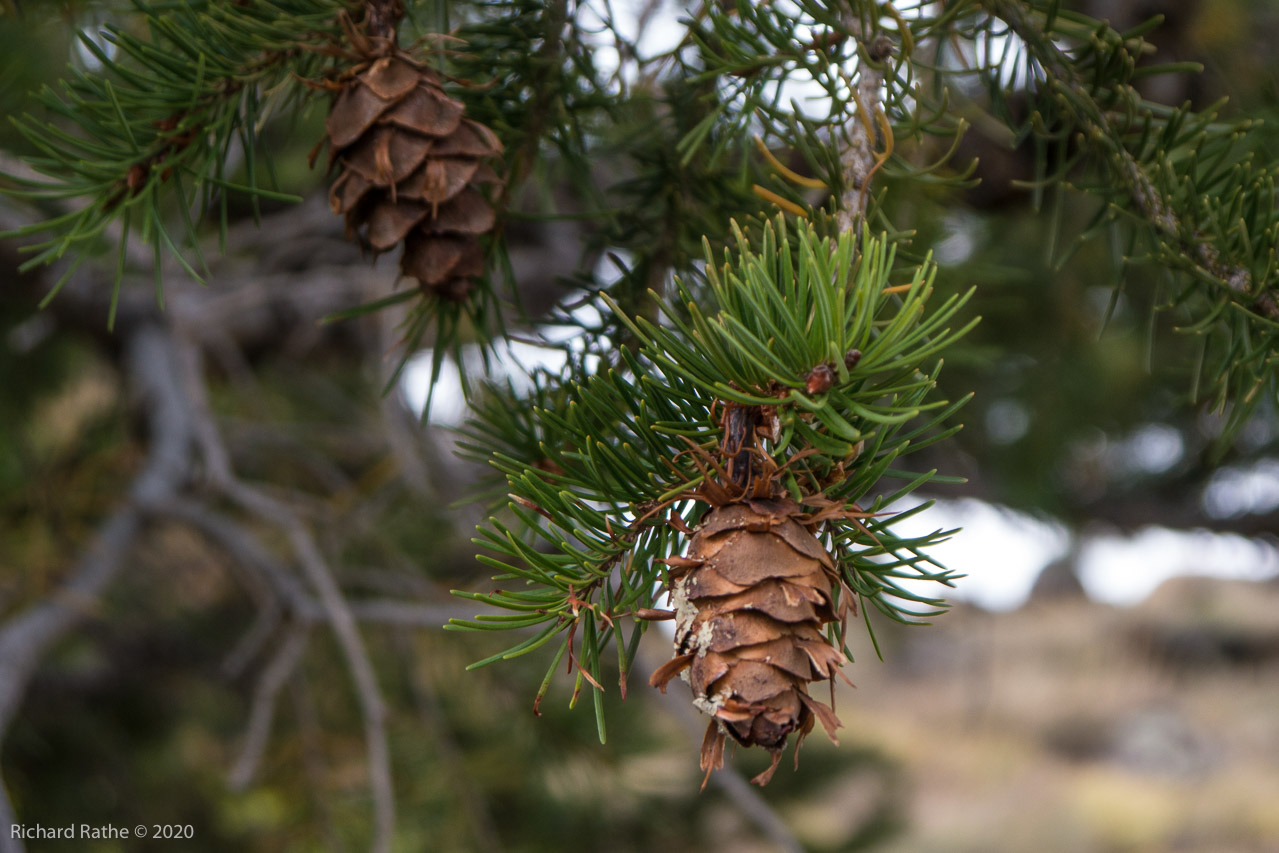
274,676
332,602
151,365
342,621
241,545
858,157
254,639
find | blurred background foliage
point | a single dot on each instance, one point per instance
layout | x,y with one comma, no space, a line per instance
140,717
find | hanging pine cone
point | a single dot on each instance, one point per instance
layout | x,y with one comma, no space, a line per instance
411,167
749,600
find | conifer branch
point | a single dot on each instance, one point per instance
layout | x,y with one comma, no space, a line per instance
1100,129
1236,277
156,128
808,344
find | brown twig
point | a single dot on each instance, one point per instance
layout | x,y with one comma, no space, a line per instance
382,17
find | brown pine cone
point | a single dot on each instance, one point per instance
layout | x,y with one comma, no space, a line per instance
411,167
749,600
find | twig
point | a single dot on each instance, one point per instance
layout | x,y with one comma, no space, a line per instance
274,676
270,611
858,157
151,366
243,547
1137,182
382,17
342,621
137,254
254,639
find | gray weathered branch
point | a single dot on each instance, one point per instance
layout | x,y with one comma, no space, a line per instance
315,569
858,155
151,366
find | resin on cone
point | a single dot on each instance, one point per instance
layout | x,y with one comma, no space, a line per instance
411,168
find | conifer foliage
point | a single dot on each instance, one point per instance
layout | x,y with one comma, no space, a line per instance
779,397
729,433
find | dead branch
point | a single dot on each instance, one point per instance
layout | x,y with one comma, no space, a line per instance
254,639
315,569
241,544
273,678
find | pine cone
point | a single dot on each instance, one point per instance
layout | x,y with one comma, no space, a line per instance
749,601
411,165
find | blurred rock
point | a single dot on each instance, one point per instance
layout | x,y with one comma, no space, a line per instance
1058,580
1075,726
1160,741
1201,623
